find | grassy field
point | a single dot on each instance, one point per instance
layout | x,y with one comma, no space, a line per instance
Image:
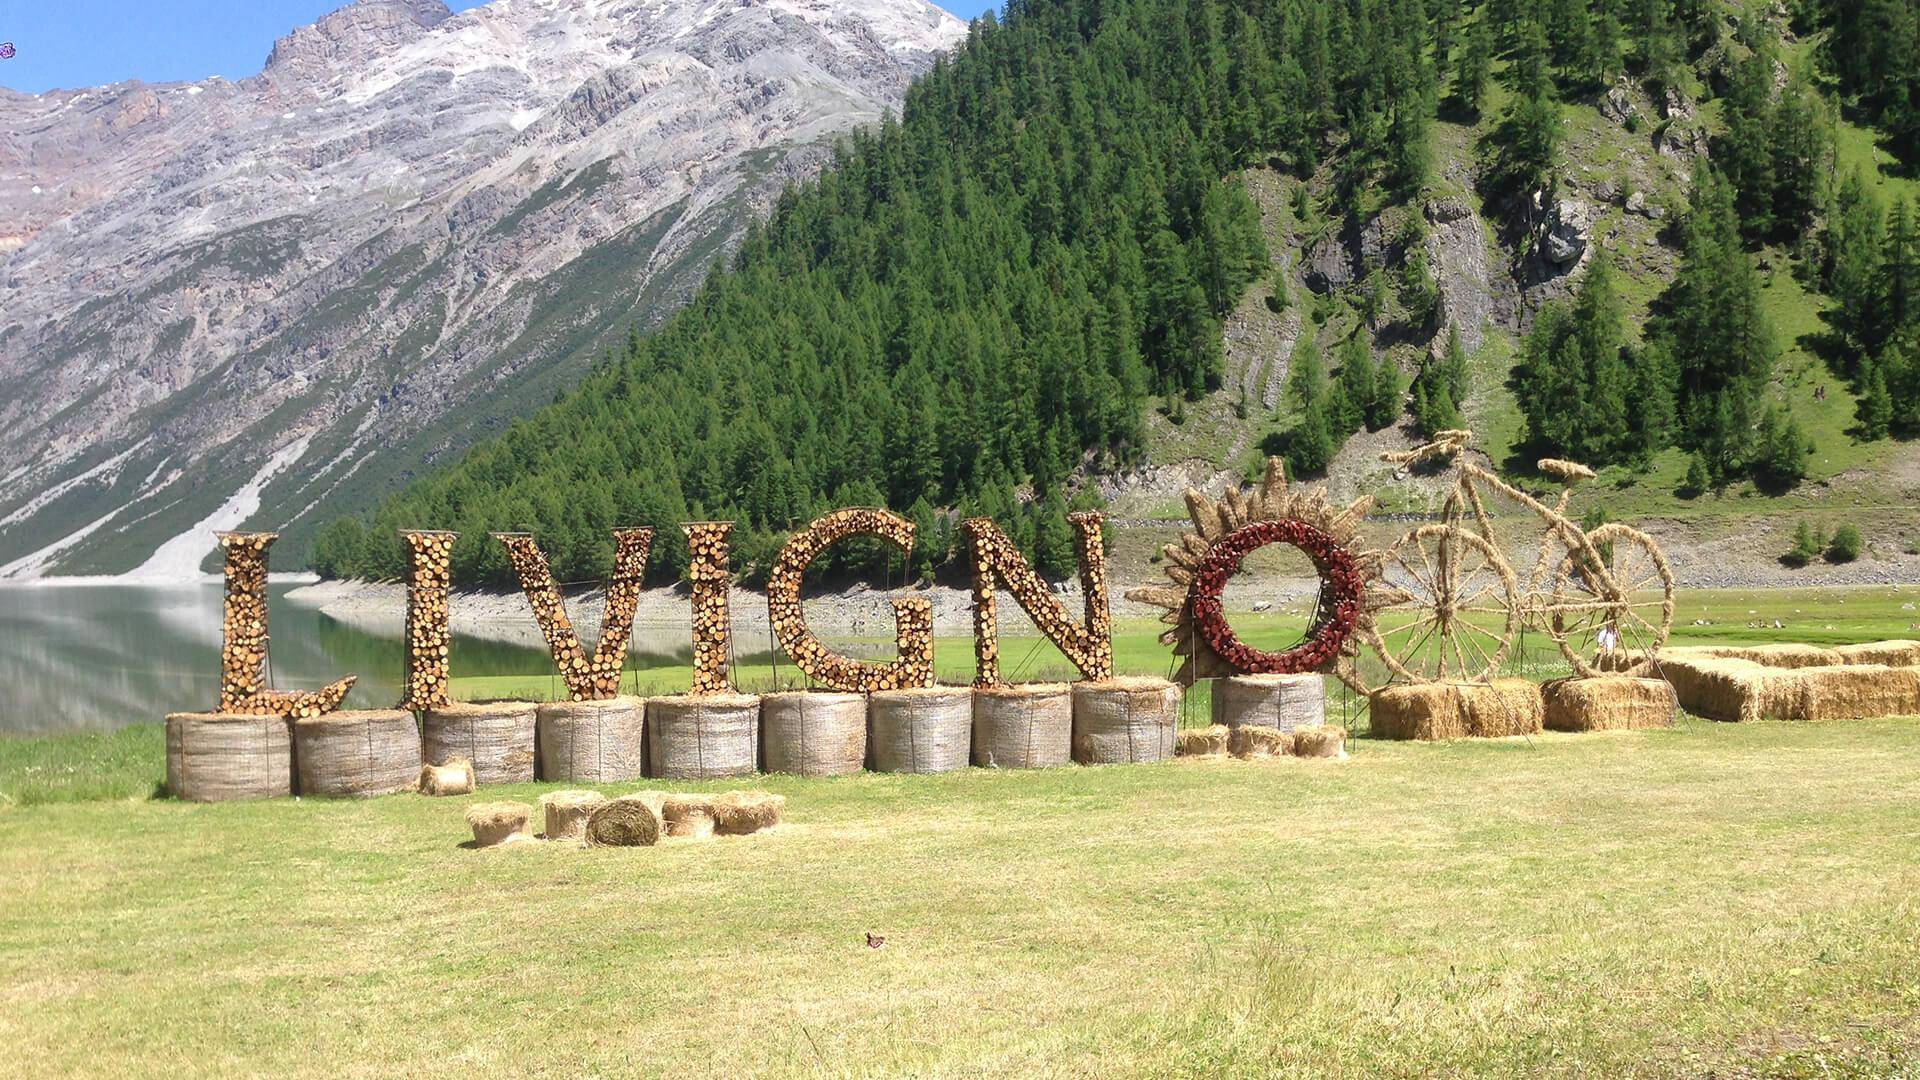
1710,900
1692,902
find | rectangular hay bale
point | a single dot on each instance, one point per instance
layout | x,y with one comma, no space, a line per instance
1609,703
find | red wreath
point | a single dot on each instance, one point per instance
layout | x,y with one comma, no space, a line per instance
1340,592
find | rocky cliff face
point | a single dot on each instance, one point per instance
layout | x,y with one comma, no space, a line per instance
268,301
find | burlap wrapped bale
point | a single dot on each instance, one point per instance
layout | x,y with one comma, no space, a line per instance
701,737
1124,720
1282,702
1023,727
1609,703
1430,711
813,733
357,753
499,823
921,730
1208,741
1249,741
566,813
214,757
1896,653
496,736
592,742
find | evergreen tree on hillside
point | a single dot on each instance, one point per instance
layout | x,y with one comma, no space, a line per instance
1440,386
1573,382
1718,337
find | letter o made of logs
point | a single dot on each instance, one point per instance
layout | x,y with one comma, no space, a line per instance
1340,591
913,618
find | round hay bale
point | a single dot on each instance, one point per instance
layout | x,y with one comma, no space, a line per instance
811,733
1023,727
1124,720
628,821
1249,741
702,737
921,730
499,823
688,816
358,753
215,757
592,742
566,813
1325,741
736,813
453,778
1201,742
1281,702
497,737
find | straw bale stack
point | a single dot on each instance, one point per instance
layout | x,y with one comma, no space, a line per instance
497,737
1029,726
215,757
358,753
602,741
922,730
703,736
1857,692
1896,653
813,733
1124,720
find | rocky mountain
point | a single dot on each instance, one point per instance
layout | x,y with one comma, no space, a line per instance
263,301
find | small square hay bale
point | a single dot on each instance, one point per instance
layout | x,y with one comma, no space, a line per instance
736,813
1502,707
566,813
1609,703
1324,741
688,816
1858,691
1201,742
1249,741
1430,711
499,823
453,778
628,821
1424,711
1896,653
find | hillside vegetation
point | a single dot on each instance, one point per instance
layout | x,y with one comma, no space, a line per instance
1692,216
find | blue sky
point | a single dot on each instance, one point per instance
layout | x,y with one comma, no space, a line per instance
72,43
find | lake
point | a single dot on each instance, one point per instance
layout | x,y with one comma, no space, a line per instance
98,657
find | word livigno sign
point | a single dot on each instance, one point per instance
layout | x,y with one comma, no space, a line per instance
593,671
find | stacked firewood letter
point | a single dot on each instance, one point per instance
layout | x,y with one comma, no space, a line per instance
595,675
243,646
997,563
913,618
429,555
708,572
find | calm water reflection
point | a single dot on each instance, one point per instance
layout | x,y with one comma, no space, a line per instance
97,657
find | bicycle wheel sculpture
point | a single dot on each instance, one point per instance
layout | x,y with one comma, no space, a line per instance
1224,532
1625,609
1446,607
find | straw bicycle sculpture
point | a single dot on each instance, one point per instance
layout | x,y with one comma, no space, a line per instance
1591,591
